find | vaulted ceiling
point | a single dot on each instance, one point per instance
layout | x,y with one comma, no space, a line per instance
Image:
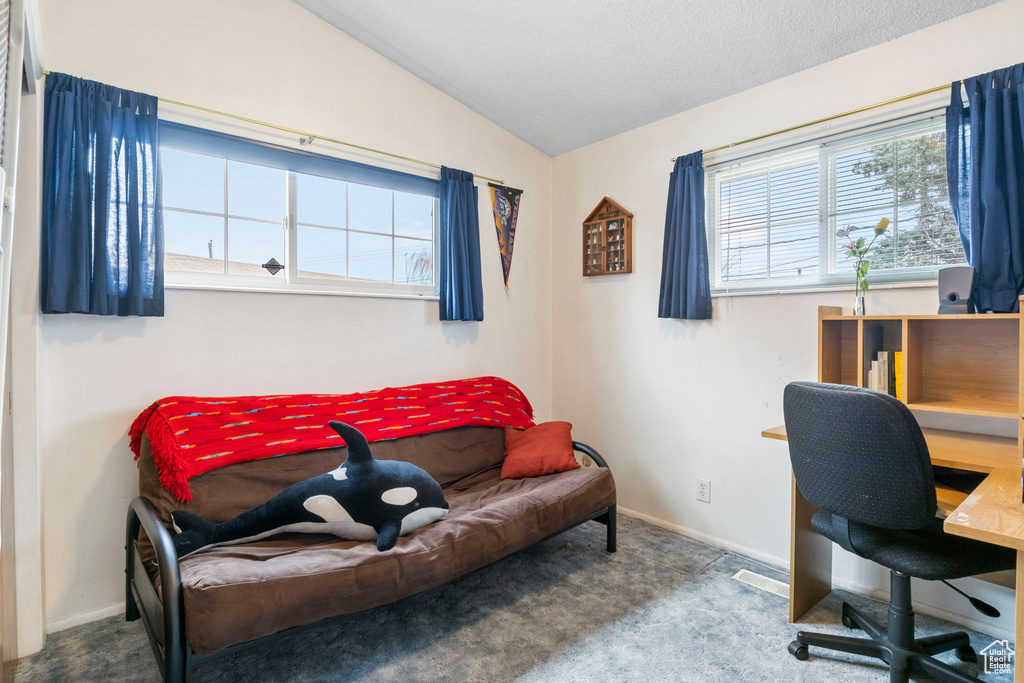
561,74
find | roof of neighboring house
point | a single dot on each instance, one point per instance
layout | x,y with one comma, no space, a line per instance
201,264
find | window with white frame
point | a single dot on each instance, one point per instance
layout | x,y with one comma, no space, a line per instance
784,220
241,214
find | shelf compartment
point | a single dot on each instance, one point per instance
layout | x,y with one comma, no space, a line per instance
839,343
956,365
879,335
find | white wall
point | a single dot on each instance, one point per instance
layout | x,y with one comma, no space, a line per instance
270,60
669,401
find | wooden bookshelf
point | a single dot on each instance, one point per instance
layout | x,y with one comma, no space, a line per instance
959,364
962,364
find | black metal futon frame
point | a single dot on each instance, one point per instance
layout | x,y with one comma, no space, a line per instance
163,612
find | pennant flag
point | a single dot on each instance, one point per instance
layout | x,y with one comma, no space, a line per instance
505,203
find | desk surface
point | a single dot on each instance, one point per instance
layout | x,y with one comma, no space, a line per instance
994,512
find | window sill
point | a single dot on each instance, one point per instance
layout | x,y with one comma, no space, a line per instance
299,291
848,288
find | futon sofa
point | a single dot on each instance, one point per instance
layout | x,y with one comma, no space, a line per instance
224,599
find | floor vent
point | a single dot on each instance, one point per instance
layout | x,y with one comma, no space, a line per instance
762,582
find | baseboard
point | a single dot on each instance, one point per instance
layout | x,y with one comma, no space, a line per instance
85,618
852,586
765,558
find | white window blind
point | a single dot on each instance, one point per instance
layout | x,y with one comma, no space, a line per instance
767,219
5,31
772,221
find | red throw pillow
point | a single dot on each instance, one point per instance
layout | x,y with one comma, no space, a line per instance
544,449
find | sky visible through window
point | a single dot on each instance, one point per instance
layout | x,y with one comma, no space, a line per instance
344,230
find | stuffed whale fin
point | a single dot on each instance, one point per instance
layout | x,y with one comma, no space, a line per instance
387,535
194,533
358,449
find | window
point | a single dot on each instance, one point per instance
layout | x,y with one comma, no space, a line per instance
773,221
244,214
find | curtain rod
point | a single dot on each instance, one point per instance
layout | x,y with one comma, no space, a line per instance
308,138
929,91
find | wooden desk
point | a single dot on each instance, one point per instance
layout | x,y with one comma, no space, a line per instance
971,365
993,513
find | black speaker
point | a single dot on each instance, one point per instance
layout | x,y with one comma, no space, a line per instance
956,284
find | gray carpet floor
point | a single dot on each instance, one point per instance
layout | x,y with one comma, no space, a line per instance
664,608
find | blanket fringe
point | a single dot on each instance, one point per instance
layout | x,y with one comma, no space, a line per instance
137,429
173,476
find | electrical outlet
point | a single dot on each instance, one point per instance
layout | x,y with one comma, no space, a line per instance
704,490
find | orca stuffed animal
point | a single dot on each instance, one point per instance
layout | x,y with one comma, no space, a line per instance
362,500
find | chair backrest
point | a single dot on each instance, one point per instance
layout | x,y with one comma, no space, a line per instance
859,454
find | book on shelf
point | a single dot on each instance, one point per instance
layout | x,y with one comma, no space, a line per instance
882,373
898,374
888,384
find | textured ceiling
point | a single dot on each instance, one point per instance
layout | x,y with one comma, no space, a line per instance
561,74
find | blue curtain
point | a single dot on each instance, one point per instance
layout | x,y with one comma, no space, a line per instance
685,281
462,295
102,245
985,172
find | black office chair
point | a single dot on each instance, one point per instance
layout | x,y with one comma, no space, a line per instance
859,455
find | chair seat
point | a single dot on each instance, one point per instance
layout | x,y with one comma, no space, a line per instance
927,553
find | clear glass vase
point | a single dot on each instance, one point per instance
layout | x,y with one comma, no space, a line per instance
858,304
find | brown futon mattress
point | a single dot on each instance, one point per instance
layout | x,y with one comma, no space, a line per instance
238,593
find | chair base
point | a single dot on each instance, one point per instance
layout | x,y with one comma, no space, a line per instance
895,645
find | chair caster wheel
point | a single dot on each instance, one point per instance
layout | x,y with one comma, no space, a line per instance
799,651
966,653
850,623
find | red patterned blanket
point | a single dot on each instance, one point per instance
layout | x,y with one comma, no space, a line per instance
192,435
